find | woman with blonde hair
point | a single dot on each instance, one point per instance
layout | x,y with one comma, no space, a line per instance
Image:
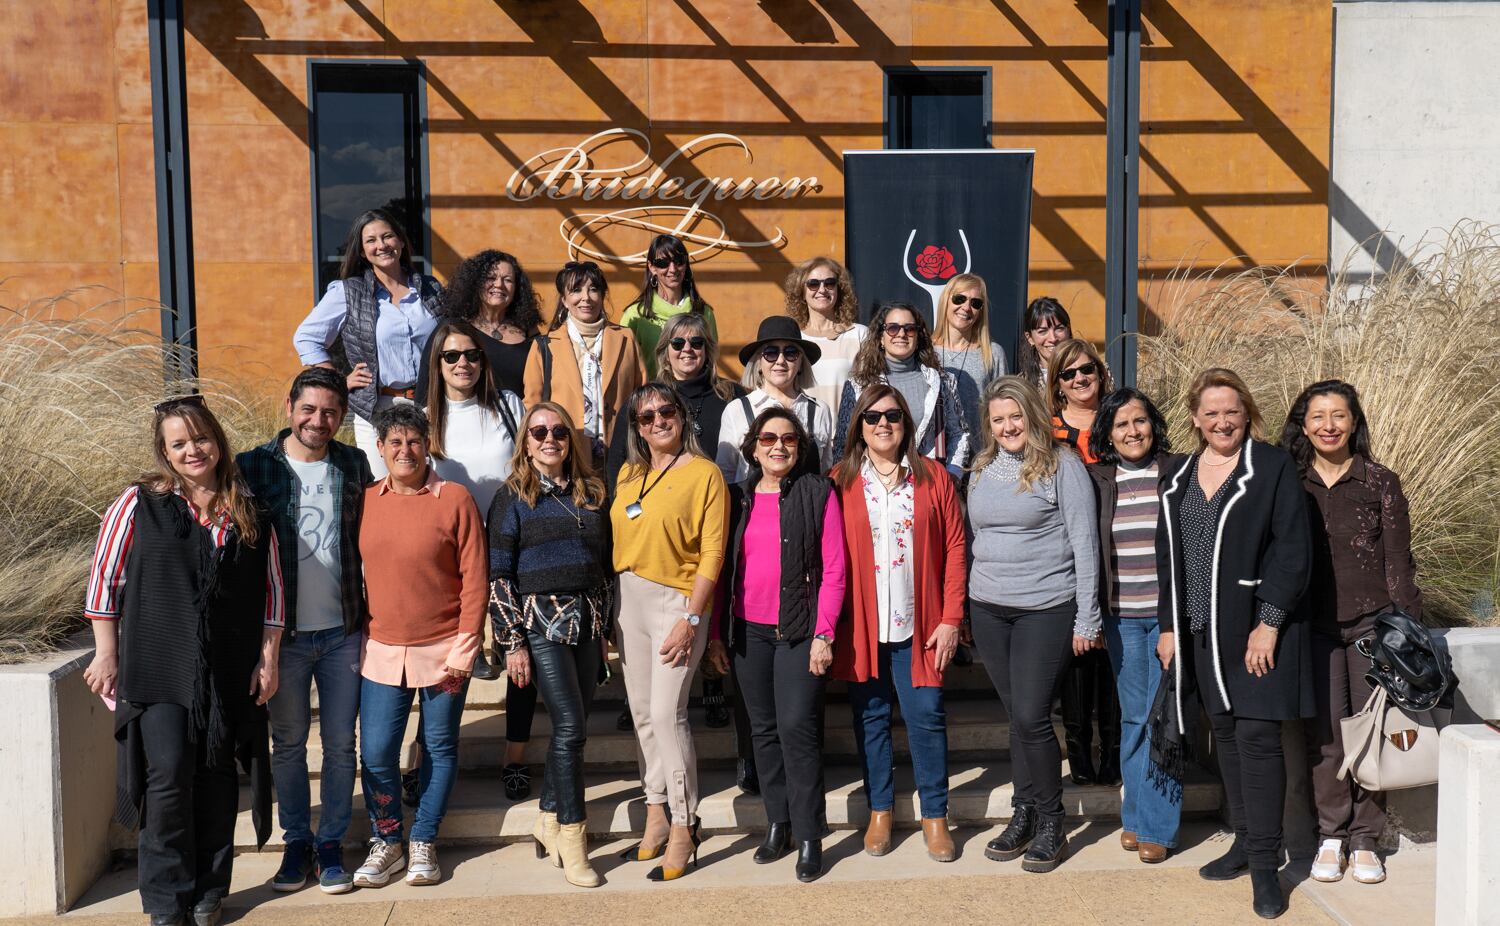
778,373
961,336
820,299
1077,379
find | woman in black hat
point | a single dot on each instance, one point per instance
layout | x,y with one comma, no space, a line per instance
778,371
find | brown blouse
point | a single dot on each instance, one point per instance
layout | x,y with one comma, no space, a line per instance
1362,561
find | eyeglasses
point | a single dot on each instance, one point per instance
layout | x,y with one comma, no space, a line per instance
815,284
473,355
767,439
1088,369
540,432
772,353
662,263
183,401
894,330
891,415
648,416
695,342
977,302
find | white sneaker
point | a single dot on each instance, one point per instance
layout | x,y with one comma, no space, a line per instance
424,864
1366,867
385,859
1329,865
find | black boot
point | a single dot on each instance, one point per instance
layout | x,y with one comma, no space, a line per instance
1226,867
1077,714
809,860
778,841
208,911
1269,902
1048,848
746,777
484,670
715,711
1017,836
1107,700
167,919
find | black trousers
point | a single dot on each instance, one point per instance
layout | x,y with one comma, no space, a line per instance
520,710
785,704
1250,763
1089,696
566,676
1025,654
186,841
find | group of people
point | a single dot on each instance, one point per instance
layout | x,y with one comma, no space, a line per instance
869,503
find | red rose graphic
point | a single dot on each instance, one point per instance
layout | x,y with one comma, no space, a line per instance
935,263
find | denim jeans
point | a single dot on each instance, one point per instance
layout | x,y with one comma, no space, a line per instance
382,724
330,659
1148,809
926,730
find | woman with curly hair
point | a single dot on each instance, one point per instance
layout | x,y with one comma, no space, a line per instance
491,292
669,290
820,299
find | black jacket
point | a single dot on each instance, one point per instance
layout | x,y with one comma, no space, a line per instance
1263,553
1106,496
803,501
703,402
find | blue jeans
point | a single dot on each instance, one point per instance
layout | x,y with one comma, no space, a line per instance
330,659
926,731
382,725
1148,810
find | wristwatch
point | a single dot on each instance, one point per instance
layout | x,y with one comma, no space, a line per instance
694,620
825,637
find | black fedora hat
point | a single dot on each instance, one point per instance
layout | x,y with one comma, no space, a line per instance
779,328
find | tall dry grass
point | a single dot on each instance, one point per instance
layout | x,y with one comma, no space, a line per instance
76,397
1420,344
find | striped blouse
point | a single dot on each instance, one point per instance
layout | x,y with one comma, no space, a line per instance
1133,542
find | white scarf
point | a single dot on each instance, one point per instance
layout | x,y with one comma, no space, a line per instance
591,372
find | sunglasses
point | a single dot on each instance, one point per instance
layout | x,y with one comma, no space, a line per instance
891,415
773,353
767,439
183,401
473,355
894,330
1088,369
648,416
662,263
540,432
977,302
815,284
695,342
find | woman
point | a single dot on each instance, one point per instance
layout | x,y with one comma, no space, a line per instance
1130,442
474,424
550,604
669,290
778,373
1044,325
1034,600
961,336
820,299
491,292
1078,378
668,519
1233,543
384,311
1361,565
899,353
585,363
422,542
781,593
905,537
185,600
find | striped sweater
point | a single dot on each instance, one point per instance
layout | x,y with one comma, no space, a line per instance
1132,547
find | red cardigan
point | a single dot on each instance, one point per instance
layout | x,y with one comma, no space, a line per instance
940,573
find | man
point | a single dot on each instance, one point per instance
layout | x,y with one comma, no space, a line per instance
312,487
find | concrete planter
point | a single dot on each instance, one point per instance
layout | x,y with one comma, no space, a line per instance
57,747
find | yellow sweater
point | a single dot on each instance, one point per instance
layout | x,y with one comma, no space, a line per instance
679,534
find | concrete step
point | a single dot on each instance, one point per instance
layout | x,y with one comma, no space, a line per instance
979,794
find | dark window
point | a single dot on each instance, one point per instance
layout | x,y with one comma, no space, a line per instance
367,133
937,107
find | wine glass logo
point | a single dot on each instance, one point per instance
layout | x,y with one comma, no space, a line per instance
934,264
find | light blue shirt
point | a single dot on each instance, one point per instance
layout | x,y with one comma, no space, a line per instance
401,330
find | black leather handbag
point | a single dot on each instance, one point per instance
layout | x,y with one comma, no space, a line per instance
1406,662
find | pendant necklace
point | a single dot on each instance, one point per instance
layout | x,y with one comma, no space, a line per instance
577,516
633,510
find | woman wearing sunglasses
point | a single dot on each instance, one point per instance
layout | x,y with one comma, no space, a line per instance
668,522
899,352
550,579
1044,325
961,336
778,604
493,293
669,290
820,299
778,373
904,533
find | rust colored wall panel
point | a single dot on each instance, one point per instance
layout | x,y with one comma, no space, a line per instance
132,54
247,183
137,193
63,179
84,286
246,314
57,65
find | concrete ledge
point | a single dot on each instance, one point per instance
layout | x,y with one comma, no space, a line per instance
1468,861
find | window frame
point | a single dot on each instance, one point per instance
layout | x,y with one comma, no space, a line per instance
893,75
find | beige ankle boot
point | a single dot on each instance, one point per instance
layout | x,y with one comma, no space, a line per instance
545,834
573,850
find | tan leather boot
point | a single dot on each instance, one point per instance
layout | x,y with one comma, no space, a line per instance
939,842
878,833
545,834
573,848
654,839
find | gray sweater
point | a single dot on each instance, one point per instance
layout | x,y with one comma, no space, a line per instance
1039,548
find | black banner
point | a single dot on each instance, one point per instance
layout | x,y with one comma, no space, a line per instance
914,219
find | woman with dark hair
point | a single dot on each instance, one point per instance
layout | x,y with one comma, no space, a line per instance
904,533
778,605
899,353
1129,441
491,292
1361,565
669,290
820,299
1077,378
474,422
585,363
185,598
1044,325
384,312
1233,547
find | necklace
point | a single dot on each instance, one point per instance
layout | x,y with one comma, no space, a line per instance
633,510
886,479
1225,462
576,513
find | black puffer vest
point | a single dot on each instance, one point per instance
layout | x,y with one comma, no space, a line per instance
358,333
802,504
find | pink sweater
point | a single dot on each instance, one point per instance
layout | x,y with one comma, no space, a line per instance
757,595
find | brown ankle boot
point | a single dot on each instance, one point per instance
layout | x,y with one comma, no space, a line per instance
654,839
939,841
878,834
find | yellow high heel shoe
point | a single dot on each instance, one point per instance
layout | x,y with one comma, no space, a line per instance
654,839
684,840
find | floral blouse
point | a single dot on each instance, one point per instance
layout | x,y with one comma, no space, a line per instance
892,518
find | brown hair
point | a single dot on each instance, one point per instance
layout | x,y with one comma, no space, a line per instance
233,497
1039,459
637,451
1063,355
723,388
586,487
844,313
869,363
846,470
437,396
941,324
1219,377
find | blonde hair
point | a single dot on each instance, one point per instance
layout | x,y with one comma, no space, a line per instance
1039,459
1064,354
723,388
233,496
981,322
844,313
1219,377
754,377
587,488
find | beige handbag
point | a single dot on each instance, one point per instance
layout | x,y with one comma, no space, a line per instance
1387,748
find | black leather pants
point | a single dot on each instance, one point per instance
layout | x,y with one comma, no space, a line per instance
566,677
